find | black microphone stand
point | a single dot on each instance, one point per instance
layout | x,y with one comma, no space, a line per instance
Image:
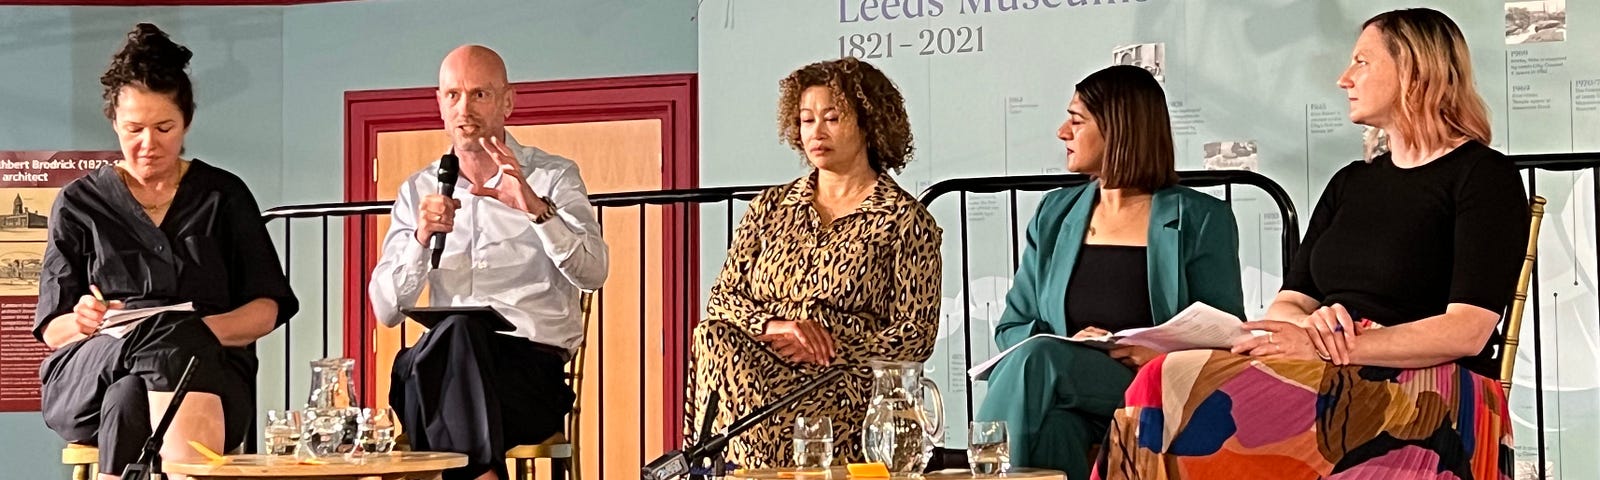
676,463
712,404
148,467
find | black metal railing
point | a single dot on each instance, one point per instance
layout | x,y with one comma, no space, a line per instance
1011,185
690,204
680,211
687,204
1194,179
1531,166
676,338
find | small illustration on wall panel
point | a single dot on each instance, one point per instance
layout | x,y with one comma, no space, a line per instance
1232,156
1536,21
1149,56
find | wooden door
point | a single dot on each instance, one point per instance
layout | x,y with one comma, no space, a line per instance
613,156
633,134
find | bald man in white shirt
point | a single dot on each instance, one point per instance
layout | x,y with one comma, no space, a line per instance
523,239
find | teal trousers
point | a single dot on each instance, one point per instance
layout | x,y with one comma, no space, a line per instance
1057,399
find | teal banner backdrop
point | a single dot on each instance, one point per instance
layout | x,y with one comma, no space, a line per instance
1250,84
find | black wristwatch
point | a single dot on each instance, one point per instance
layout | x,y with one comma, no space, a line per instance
549,212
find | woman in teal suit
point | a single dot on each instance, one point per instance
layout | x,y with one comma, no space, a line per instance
1130,249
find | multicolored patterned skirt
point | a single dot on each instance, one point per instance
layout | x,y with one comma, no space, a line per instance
1206,414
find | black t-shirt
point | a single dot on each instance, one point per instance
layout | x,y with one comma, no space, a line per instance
211,249
1397,245
1109,289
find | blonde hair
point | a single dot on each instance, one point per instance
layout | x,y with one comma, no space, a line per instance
1438,100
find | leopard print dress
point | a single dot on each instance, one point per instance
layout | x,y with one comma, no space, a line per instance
872,278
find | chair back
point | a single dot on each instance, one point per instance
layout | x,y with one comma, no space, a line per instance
1508,354
575,378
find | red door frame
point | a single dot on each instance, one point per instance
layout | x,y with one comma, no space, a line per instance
671,99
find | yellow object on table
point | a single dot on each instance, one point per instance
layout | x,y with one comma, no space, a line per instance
868,470
208,452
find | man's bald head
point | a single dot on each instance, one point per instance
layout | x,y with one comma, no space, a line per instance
475,96
474,59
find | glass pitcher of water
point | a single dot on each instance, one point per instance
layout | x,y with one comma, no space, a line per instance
331,408
898,430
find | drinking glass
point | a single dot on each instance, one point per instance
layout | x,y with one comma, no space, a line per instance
376,427
813,443
282,431
988,448
321,434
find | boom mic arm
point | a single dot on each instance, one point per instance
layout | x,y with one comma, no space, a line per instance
677,463
148,466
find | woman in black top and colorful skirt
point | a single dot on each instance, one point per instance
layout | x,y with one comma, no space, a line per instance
155,230
1424,241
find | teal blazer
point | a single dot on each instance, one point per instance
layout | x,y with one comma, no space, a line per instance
1193,256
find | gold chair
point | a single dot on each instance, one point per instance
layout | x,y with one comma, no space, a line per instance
1508,358
562,448
84,459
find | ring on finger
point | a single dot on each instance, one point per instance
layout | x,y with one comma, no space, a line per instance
1271,339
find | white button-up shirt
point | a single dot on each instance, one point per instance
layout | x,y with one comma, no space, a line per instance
496,256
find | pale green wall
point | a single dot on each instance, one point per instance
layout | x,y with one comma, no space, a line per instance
270,83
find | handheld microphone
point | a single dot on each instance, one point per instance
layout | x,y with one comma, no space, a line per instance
678,462
449,171
148,466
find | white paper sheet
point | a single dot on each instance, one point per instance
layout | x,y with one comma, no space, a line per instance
118,323
1198,326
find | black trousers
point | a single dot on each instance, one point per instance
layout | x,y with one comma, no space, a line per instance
96,390
466,389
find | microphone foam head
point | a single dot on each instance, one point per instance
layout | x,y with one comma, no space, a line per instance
449,168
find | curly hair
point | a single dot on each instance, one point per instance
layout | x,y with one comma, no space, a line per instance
860,90
151,60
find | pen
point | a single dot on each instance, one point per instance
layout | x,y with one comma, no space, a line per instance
98,297
93,290
1361,326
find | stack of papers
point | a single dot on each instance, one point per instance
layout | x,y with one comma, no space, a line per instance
1199,326
118,323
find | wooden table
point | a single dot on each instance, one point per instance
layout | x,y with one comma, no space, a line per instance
840,473
394,466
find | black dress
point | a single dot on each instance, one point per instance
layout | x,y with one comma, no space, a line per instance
212,249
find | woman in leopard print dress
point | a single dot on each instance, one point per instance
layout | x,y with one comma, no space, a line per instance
833,269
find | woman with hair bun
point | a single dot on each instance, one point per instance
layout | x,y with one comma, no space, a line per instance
154,230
